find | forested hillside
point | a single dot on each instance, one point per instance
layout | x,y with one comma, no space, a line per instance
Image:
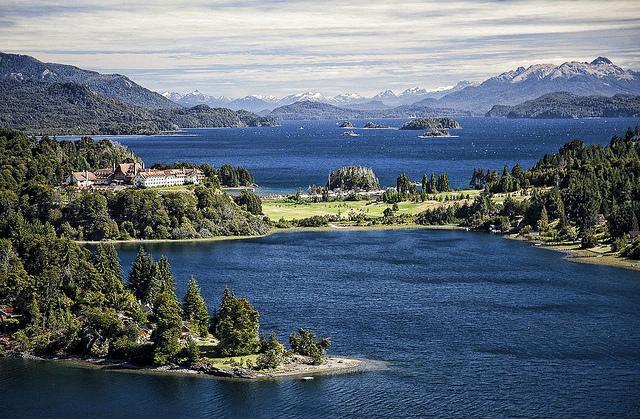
585,193
70,108
115,86
567,105
31,172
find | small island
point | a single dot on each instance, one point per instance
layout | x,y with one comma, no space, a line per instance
431,124
436,133
353,178
350,134
373,125
345,124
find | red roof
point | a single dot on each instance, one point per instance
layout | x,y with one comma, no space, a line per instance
83,176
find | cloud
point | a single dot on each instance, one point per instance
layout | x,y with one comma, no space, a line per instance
278,47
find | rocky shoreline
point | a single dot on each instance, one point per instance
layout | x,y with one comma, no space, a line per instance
297,365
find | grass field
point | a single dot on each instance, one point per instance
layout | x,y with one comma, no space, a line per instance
277,209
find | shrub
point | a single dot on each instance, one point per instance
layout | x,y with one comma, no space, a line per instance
306,344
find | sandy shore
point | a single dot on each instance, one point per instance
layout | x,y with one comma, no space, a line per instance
333,365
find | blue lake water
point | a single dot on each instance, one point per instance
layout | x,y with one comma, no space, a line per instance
467,324
300,153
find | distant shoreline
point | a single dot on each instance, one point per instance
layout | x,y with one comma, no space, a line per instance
331,227
572,254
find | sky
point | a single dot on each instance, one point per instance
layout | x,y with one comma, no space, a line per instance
277,47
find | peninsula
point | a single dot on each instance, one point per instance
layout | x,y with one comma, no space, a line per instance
140,324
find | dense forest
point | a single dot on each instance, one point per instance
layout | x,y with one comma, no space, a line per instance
585,193
430,123
353,178
31,172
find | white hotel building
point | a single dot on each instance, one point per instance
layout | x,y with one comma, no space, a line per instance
170,177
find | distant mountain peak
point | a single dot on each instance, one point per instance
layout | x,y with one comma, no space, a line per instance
601,60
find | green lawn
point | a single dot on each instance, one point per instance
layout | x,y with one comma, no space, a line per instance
207,351
225,363
277,209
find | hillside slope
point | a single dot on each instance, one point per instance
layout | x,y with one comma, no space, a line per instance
567,105
23,68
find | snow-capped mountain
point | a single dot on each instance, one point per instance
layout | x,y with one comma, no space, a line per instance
300,97
417,94
254,103
173,96
197,98
385,97
598,77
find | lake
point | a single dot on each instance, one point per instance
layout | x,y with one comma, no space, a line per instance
300,153
465,324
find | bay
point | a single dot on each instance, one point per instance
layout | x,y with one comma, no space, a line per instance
465,324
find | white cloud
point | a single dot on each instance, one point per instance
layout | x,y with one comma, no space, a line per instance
277,47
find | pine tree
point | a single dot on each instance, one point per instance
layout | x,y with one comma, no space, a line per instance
432,188
141,275
236,326
543,221
108,266
442,183
194,308
161,281
166,335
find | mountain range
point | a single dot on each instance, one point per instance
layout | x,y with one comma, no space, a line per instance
257,103
49,98
598,77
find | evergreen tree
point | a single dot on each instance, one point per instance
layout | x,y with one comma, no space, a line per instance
162,279
271,353
236,326
431,187
108,266
166,335
423,192
141,275
306,343
543,221
194,308
634,224
250,201
404,185
442,184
